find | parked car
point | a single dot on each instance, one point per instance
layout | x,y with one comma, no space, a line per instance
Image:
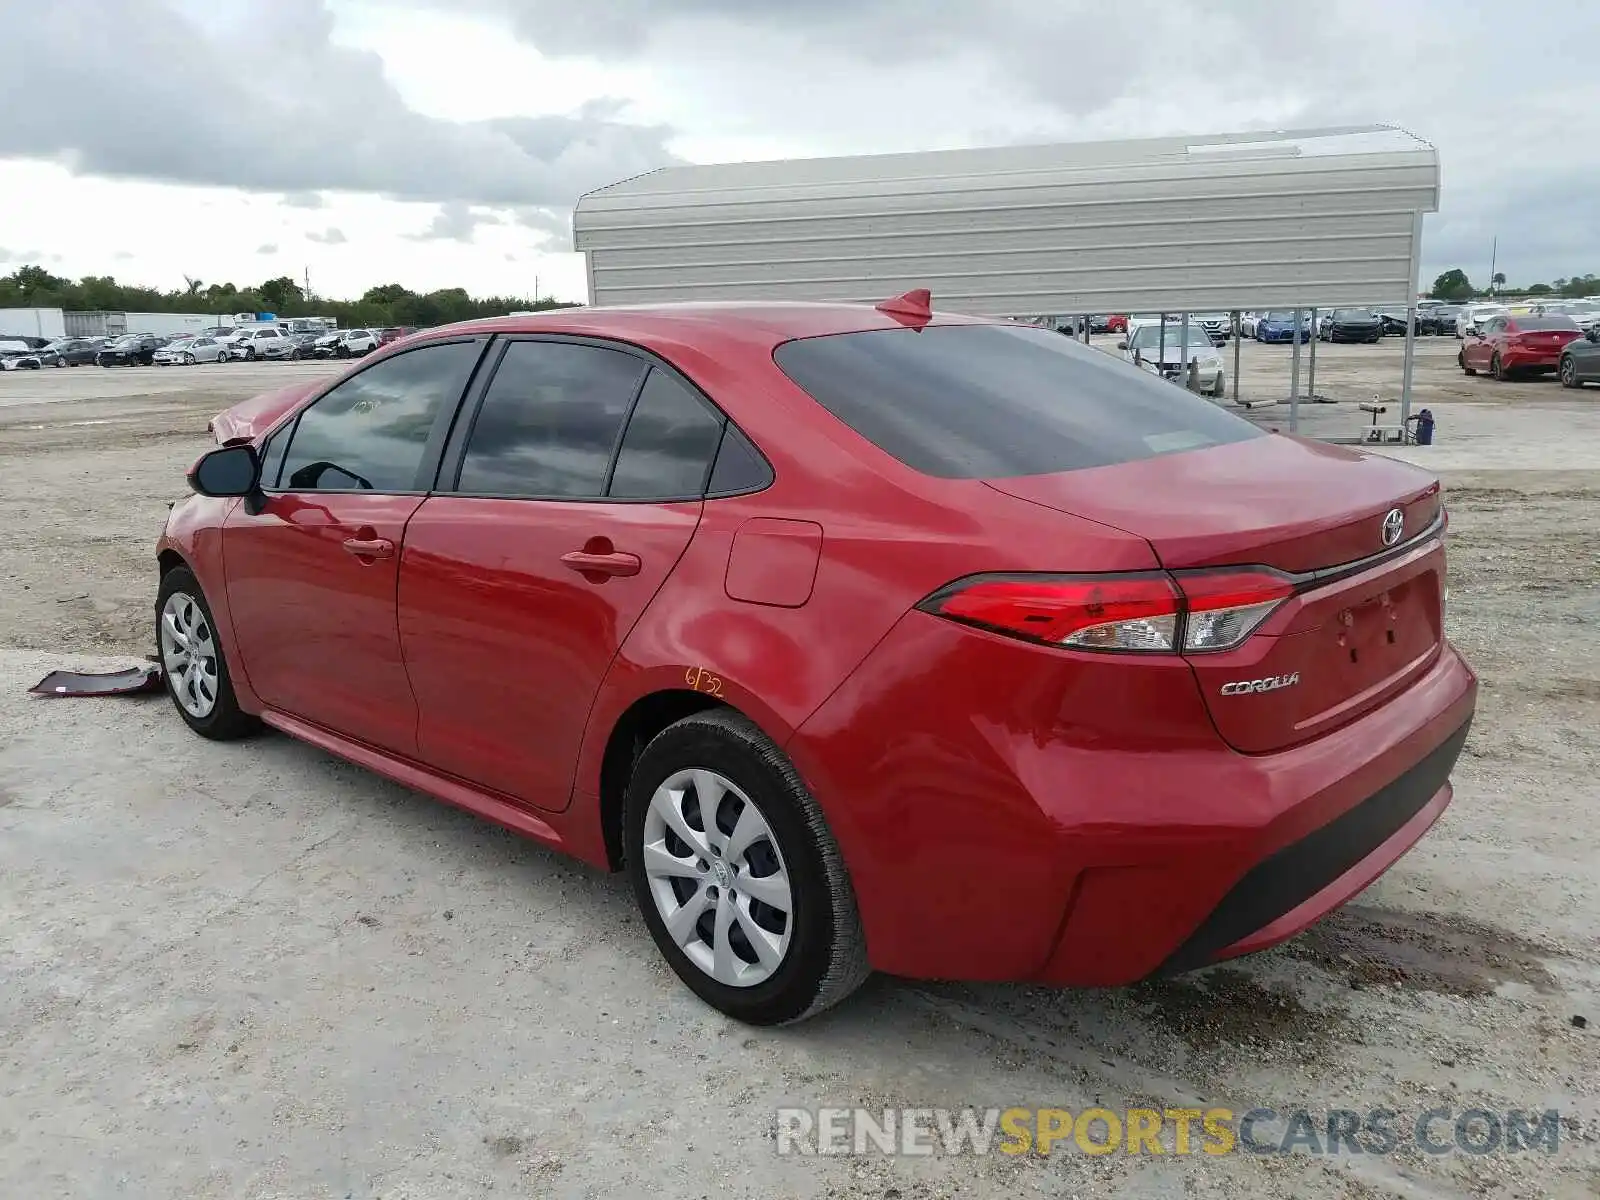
394,333
797,653
1392,318
1247,324
1580,359
70,352
1439,320
1509,345
305,345
1167,356
1218,326
1352,325
1281,327
1585,312
1472,318
131,350
1116,323
191,350
264,341
347,343
17,355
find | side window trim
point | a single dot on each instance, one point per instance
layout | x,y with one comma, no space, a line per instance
448,477
431,449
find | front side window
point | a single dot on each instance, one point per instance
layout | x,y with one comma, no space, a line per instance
549,421
370,432
671,438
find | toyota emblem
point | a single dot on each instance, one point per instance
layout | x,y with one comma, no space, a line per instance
1394,524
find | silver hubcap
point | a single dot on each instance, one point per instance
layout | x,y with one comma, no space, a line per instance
189,654
718,878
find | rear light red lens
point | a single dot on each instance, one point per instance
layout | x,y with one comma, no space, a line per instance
1135,613
1147,612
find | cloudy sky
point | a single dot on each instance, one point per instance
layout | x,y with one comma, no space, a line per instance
440,143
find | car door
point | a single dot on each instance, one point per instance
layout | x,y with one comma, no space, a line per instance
311,571
566,502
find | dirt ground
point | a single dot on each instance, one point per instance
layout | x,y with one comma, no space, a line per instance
252,970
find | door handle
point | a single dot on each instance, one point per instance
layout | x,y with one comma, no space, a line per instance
369,549
615,563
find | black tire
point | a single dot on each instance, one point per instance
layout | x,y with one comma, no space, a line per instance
226,721
1569,372
827,955
1498,369
1461,359
249,354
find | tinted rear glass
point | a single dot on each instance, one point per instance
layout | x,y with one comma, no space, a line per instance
990,401
1545,323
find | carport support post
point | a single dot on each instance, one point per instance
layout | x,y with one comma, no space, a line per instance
1294,374
1236,340
1183,349
1311,370
1409,363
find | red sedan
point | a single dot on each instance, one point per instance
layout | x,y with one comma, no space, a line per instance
859,638
1509,344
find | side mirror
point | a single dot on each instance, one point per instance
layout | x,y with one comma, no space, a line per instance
226,471
1122,345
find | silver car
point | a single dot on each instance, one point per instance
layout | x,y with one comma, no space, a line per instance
190,350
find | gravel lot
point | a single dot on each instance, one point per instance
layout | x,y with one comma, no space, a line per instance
252,970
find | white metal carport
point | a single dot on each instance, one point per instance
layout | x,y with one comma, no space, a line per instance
1275,219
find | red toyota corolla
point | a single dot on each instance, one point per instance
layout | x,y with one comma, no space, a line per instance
1510,344
859,638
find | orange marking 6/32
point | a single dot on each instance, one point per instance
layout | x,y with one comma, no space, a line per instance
702,680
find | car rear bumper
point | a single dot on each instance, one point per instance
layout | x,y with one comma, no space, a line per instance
988,843
1531,358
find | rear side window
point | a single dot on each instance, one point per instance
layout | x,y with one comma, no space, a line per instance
671,439
991,401
550,421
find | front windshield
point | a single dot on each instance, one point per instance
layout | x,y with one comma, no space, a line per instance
1148,337
1351,314
1282,318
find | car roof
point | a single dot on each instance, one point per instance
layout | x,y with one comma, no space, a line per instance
766,324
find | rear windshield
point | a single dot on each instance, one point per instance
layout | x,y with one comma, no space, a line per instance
991,401
1552,322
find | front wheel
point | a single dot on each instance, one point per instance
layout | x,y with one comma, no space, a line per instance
1497,368
739,881
192,662
188,360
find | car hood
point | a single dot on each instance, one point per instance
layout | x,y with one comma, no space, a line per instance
245,420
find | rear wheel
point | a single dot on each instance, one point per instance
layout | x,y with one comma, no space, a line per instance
1461,359
1497,368
192,662
739,881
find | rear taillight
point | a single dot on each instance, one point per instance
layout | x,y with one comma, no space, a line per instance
1222,608
1145,612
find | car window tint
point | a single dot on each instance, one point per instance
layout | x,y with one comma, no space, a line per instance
990,401
272,456
549,421
740,467
370,431
670,441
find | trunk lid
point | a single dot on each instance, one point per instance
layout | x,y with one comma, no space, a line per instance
1366,618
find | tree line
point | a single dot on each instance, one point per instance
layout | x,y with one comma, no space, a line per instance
1455,286
389,304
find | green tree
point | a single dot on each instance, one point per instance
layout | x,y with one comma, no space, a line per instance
1453,285
281,295
1499,280
1540,289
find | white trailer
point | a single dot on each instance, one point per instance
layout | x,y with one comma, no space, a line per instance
33,322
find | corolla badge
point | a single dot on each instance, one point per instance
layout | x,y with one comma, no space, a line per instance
1272,683
1394,524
